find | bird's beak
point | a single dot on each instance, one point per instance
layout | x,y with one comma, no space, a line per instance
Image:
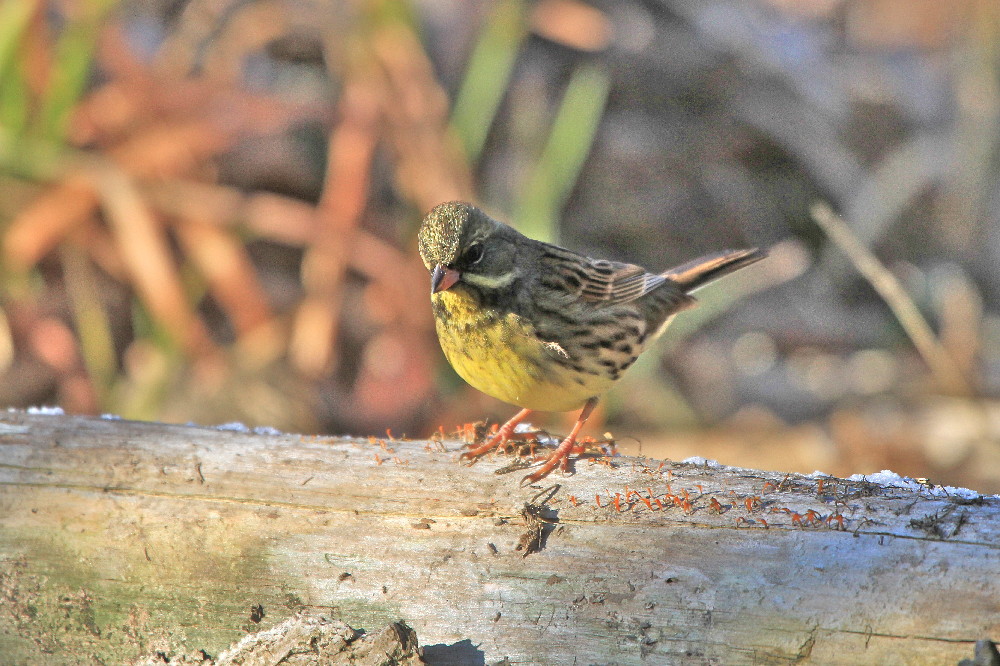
443,278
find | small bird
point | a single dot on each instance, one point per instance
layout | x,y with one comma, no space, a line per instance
542,327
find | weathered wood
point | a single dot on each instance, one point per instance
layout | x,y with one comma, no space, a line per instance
119,539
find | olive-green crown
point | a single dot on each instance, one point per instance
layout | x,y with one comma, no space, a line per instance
441,232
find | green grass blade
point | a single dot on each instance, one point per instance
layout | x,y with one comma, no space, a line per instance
91,320
74,56
15,16
14,109
488,73
569,143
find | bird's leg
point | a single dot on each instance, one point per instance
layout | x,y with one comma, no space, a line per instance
503,434
561,453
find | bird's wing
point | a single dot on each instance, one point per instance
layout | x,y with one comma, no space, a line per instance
616,282
602,281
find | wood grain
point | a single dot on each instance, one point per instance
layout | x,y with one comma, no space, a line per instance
118,539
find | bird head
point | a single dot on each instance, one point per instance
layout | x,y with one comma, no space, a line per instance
461,245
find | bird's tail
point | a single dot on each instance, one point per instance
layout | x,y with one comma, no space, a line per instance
699,272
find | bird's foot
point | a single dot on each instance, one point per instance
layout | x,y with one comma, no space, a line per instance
502,435
496,440
561,454
559,457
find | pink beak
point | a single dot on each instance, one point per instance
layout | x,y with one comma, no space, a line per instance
443,279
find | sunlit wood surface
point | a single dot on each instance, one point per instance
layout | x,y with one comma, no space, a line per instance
119,539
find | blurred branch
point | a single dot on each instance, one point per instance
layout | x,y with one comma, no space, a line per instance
232,279
959,305
350,153
572,23
92,326
430,166
146,252
964,208
945,371
40,227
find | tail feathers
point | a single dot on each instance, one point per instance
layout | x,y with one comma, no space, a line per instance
699,272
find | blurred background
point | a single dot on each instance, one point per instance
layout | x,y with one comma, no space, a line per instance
208,212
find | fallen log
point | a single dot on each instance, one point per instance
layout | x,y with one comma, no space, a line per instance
121,539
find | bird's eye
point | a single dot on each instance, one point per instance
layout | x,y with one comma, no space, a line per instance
474,253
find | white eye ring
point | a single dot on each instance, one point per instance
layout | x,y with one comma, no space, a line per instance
475,253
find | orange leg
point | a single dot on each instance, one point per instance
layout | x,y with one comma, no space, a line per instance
561,453
503,434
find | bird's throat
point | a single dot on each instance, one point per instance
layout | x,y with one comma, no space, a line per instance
459,307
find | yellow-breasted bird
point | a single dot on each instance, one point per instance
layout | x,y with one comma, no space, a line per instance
542,327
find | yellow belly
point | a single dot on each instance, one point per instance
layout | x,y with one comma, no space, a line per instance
502,357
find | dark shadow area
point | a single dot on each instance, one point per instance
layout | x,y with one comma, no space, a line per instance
462,653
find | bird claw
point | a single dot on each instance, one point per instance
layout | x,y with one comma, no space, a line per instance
562,461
